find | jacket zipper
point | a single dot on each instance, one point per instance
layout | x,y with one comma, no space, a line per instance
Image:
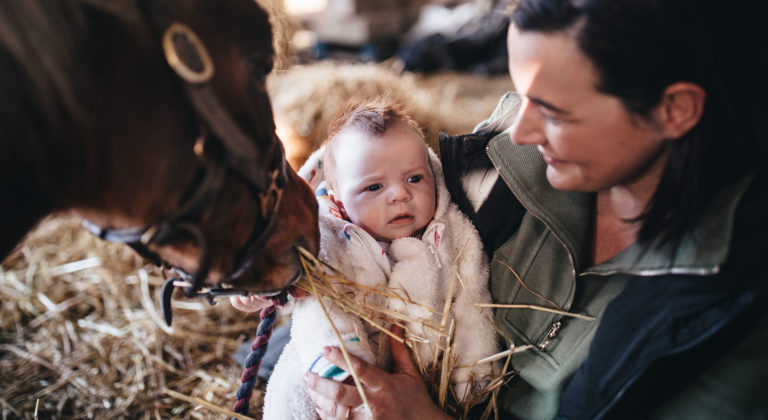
552,332
702,271
550,335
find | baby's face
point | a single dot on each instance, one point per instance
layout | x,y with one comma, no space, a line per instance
384,184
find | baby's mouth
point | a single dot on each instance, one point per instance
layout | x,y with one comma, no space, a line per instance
401,219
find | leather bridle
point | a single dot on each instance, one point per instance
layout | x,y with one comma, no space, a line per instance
220,147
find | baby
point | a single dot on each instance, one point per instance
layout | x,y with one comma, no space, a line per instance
386,220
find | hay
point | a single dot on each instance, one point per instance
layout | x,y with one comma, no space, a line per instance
80,336
325,281
283,29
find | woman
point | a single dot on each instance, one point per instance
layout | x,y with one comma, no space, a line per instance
631,188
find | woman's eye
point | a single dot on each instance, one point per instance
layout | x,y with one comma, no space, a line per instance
414,179
549,116
373,187
552,119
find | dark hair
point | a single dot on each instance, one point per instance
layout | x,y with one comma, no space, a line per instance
639,48
371,116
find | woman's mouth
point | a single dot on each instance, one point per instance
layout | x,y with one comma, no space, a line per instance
549,160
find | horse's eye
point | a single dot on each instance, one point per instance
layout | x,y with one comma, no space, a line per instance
259,65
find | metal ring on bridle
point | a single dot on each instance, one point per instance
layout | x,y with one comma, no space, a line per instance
186,54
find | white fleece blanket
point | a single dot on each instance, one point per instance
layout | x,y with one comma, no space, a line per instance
419,268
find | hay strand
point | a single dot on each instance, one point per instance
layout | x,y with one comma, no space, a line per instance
206,404
536,308
305,262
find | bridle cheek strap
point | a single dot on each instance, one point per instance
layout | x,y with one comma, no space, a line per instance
193,68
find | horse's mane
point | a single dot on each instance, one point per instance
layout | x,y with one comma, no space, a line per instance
46,58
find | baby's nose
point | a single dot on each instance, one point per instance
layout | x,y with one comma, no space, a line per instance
399,193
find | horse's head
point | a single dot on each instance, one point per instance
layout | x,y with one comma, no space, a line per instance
166,138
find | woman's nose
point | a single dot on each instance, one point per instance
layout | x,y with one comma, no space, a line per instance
527,129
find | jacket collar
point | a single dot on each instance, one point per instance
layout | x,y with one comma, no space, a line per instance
567,214
701,252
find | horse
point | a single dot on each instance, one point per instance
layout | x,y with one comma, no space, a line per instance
150,120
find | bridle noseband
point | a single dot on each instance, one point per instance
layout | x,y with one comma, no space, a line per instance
233,150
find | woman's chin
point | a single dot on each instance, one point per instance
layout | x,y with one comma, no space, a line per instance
560,181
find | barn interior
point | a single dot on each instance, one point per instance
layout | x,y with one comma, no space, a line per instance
81,335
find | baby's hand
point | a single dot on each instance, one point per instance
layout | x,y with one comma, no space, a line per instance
249,303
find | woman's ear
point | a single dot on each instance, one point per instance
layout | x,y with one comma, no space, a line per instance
682,105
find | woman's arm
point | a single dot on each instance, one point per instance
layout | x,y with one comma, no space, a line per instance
398,395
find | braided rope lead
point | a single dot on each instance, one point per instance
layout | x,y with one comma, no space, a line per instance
253,361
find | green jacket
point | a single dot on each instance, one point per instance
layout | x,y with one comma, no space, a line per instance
542,261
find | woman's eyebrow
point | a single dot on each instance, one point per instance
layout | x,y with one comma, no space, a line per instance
549,106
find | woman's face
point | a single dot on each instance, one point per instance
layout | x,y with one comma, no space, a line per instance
589,141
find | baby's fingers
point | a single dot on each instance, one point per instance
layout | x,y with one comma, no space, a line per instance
249,303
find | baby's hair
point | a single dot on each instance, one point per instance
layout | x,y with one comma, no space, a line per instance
372,117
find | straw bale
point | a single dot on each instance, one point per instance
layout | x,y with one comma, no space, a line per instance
283,29
304,98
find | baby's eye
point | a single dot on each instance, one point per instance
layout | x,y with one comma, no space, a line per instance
416,178
373,187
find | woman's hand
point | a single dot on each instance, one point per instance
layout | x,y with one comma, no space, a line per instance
249,303
398,395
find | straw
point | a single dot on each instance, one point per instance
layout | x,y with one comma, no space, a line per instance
342,346
80,335
332,288
206,404
536,308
